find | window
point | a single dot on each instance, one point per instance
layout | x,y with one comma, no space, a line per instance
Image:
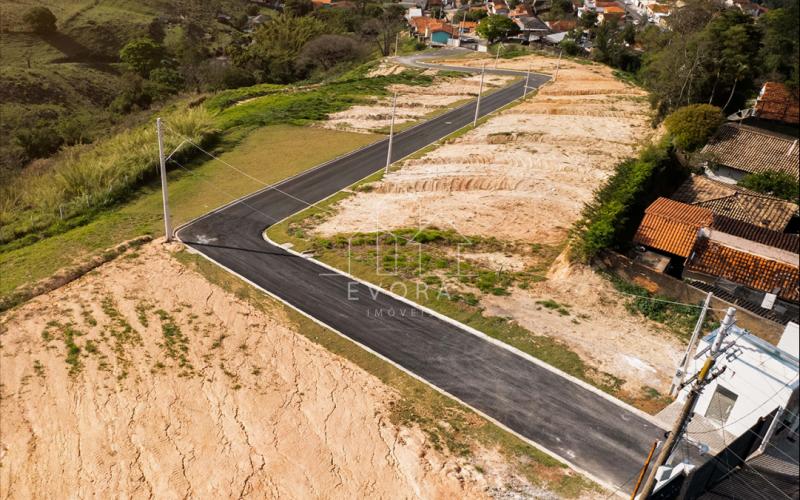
721,404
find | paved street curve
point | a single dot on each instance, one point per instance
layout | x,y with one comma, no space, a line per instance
591,432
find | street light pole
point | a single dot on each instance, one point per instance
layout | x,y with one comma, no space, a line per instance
391,135
396,43
558,65
527,80
497,57
163,167
478,103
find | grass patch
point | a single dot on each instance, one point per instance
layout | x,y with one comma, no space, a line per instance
269,154
679,319
447,423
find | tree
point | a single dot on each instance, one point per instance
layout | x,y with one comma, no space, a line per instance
326,51
570,46
277,44
155,30
496,27
297,7
40,20
691,126
588,19
781,43
142,55
778,184
383,27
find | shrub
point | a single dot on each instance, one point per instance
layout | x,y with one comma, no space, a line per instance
778,184
168,78
142,55
326,51
496,27
39,141
40,20
691,126
611,218
570,46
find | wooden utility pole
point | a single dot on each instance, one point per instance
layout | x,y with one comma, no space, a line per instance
679,426
527,81
644,469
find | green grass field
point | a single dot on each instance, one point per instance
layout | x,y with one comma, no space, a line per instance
268,154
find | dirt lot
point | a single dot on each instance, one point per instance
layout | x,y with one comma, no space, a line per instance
523,176
142,379
413,103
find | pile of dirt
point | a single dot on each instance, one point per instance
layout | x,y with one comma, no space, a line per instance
142,379
523,177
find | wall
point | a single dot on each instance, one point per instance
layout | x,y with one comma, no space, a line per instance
680,291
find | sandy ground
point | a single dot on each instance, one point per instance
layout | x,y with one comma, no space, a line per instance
524,176
206,397
413,103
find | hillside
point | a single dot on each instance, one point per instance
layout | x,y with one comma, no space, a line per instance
63,82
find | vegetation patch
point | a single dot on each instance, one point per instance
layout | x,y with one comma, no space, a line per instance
175,343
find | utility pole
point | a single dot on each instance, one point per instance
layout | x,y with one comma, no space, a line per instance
684,365
164,194
527,80
644,469
396,43
497,57
679,426
478,103
558,65
391,135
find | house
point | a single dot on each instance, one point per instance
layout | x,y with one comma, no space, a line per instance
521,10
776,102
758,378
609,13
752,271
656,12
671,227
738,150
437,31
498,7
467,27
562,25
531,27
739,203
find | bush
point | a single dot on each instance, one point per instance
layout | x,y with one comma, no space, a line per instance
779,184
142,55
39,141
570,46
40,20
326,51
496,27
170,79
691,126
611,218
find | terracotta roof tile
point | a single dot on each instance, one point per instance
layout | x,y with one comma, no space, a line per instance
776,102
751,150
784,241
736,202
671,226
713,259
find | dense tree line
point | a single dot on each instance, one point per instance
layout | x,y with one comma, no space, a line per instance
710,54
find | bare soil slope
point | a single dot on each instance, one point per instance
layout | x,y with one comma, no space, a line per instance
523,176
142,379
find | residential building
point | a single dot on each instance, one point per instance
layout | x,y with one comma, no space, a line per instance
609,13
521,10
562,25
777,103
435,31
656,12
671,227
498,7
531,28
739,203
738,150
758,378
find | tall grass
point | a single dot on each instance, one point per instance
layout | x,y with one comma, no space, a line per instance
87,178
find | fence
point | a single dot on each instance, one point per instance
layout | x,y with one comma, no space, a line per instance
675,289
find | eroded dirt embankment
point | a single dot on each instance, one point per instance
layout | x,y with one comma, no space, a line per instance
142,379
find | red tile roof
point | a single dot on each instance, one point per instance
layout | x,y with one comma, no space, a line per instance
784,241
671,226
562,25
753,150
736,202
753,271
777,102
658,8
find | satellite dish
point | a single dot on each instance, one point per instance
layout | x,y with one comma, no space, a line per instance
742,114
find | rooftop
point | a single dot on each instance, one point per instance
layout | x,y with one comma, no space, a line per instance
671,226
738,266
736,202
753,150
784,241
776,102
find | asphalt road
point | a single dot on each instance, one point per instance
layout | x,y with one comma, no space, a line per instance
584,428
